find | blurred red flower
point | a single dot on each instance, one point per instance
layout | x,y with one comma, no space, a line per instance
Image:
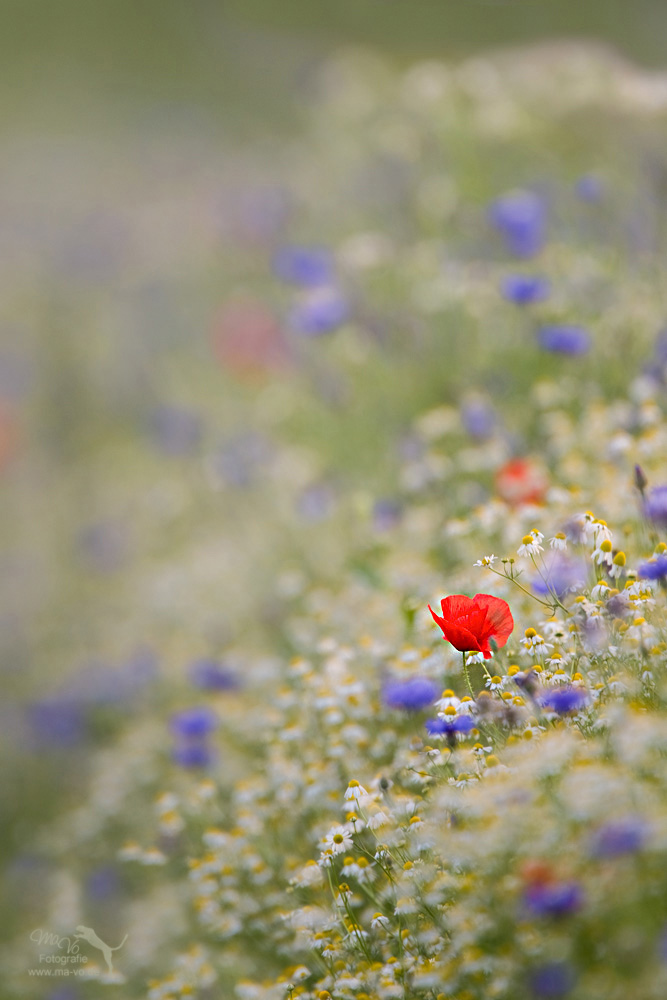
248,341
521,481
470,623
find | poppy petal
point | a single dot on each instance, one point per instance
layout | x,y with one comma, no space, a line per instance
498,616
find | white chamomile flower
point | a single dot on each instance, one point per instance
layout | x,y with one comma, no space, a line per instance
534,644
559,541
355,791
448,700
485,562
602,554
618,565
338,840
530,543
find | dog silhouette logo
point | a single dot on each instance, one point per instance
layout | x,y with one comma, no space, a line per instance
89,935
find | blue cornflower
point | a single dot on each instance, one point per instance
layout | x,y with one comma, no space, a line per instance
386,514
589,188
564,700
553,899
194,723
523,289
654,569
478,418
57,721
446,727
562,576
624,836
557,339
411,694
193,753
552,980
320,311
212,676
302,265
655,505
176,431
520,218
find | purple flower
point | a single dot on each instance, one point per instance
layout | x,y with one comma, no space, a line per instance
319,312
552,980
301,265
386,514
103,882
524,289
478,418
564,700
573,340
520,218
654,569
624,836
57,721
212,676
411,694
445,727
655,505
194,723
589,188
176,431
195,753
553,899
316,502
562,576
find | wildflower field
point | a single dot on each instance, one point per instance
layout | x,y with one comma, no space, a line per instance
334,492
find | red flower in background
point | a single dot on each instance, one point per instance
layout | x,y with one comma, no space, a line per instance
248,341
469,623
521,481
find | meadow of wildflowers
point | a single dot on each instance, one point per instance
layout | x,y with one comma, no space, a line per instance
335,494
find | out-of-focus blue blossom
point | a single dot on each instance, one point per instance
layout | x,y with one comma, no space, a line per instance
520,218
445,726
316,502
176,431
552,980
524,289
260,214
57,721
553,899
104,546
411,694
193,753
97,683
660,349
562,575
386,514
655,505
623,836
478,418
209,675
589,188
63,993
318,312
564,700
564,339
103,882
238,462
302,265
654,569
194,723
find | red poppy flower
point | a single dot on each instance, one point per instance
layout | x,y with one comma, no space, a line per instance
521,481
469,623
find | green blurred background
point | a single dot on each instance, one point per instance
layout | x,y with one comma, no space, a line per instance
237,58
